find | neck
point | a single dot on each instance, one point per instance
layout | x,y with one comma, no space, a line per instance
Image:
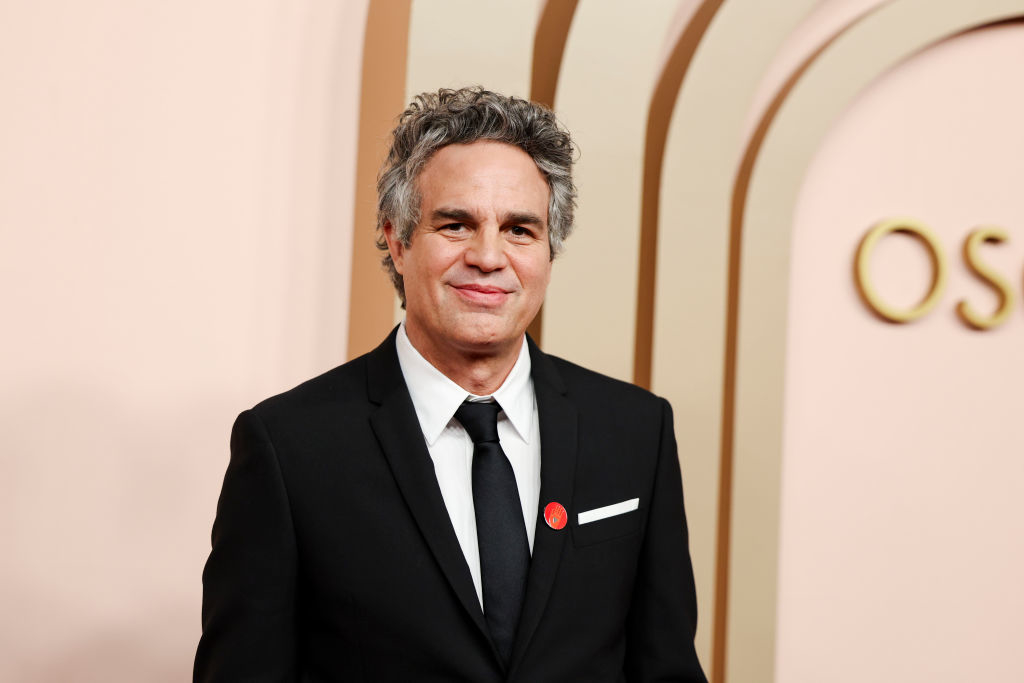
479,373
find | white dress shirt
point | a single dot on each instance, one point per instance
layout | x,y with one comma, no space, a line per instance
436,398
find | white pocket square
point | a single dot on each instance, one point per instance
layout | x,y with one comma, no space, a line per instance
609,511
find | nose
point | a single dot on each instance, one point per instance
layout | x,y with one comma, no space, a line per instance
486,249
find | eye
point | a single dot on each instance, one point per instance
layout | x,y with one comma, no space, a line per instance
518,232
454,228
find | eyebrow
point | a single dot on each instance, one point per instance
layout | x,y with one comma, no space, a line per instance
522,218
464,216
452,214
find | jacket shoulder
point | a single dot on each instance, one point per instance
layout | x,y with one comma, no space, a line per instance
583,383
345,384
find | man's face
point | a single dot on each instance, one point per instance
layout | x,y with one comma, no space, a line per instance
478,262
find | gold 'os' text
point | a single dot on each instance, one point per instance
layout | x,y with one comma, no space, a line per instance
972,258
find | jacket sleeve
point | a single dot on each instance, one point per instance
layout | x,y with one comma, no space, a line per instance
250,576
662,619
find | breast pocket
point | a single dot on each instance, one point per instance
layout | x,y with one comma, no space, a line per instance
607,523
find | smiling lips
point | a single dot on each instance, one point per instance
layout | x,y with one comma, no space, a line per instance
482,294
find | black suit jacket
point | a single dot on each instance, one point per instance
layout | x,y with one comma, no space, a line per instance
334,558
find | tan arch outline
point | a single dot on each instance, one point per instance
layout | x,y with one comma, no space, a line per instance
381,97
764,197
549,40
721,636
659,116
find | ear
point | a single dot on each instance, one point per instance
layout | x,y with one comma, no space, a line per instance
395,247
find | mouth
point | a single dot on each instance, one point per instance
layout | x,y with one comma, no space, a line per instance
487,295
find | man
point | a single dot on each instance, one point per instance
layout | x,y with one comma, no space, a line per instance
456,505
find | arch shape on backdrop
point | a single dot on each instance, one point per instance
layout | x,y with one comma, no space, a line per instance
823,22
703,145
782,75
692,21
382,95
548,47
602,98
765,194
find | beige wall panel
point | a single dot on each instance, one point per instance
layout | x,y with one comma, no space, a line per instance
881,39
701,154
902,519
602,97
454,43
176,184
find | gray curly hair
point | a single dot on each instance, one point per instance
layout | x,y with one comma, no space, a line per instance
448,117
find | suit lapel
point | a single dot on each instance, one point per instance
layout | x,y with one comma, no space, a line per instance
398,432
558,438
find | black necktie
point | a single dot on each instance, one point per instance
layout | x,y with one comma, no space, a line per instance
504,550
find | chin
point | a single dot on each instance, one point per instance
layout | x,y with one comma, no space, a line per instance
484,337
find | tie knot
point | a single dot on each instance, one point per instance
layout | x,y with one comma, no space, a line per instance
480,421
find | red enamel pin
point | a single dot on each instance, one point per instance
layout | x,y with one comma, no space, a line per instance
555,515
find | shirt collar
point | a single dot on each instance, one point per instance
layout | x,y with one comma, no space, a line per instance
436,398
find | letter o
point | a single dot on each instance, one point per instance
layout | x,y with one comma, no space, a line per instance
861,270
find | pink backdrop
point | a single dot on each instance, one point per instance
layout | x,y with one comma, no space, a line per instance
176,195
902,517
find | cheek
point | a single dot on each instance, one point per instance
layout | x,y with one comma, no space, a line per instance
420,265
429,273
537,273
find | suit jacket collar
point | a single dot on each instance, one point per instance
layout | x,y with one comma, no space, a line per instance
397,430
401,440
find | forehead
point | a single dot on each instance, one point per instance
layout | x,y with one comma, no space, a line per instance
483,175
